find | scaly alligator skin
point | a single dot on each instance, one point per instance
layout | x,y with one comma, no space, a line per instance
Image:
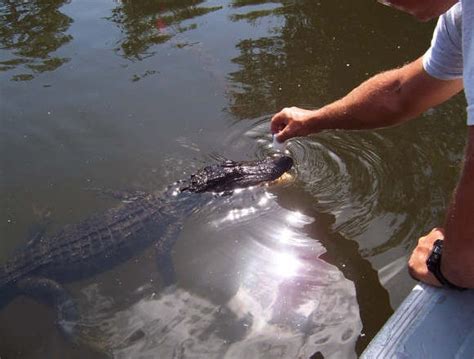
98,243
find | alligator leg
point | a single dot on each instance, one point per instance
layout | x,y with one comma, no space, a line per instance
51,293
164,251
37,230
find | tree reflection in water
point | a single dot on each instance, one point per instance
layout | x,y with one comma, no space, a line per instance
30,32
286,58
145,23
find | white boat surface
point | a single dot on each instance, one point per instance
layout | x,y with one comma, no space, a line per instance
430,323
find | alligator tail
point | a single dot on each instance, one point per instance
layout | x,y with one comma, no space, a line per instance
47,292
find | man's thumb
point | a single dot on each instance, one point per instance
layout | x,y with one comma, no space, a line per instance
283,135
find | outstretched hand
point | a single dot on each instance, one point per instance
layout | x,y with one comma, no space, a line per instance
291,122
417,262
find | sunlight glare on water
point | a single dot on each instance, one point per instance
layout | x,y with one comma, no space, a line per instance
285,265
267,288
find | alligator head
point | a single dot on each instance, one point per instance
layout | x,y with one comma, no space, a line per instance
231,175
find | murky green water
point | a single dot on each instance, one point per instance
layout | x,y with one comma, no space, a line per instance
138,94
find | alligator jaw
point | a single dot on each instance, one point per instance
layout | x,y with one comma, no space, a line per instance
283,179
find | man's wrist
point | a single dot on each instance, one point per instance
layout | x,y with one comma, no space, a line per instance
322,119
456,273
434,266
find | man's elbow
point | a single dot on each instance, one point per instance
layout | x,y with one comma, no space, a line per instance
396,105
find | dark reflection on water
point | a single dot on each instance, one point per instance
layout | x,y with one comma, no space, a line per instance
372,297
30,33
368,176
147,23
315,51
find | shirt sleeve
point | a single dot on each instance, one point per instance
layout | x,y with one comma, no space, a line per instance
468,55
444,59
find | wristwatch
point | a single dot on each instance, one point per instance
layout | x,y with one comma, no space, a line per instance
434,266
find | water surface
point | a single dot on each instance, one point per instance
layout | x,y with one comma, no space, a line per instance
138,94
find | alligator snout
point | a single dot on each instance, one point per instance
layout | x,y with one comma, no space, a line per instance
283,163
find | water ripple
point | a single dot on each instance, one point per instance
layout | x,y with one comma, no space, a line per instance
372,182
344,174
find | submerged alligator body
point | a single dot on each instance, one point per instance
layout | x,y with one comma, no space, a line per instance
98,243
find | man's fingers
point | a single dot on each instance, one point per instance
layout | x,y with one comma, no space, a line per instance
438,231
289,123
279,122
417,262
279,126
434,234
283,135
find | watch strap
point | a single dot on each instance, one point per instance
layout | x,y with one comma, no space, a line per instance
434,266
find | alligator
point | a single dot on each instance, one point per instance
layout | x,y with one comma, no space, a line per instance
98,243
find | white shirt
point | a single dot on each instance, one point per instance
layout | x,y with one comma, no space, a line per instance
451,54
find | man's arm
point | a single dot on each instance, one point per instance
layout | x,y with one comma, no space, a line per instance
457,261
384,100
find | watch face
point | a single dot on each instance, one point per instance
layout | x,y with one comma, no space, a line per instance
433,260
430,263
